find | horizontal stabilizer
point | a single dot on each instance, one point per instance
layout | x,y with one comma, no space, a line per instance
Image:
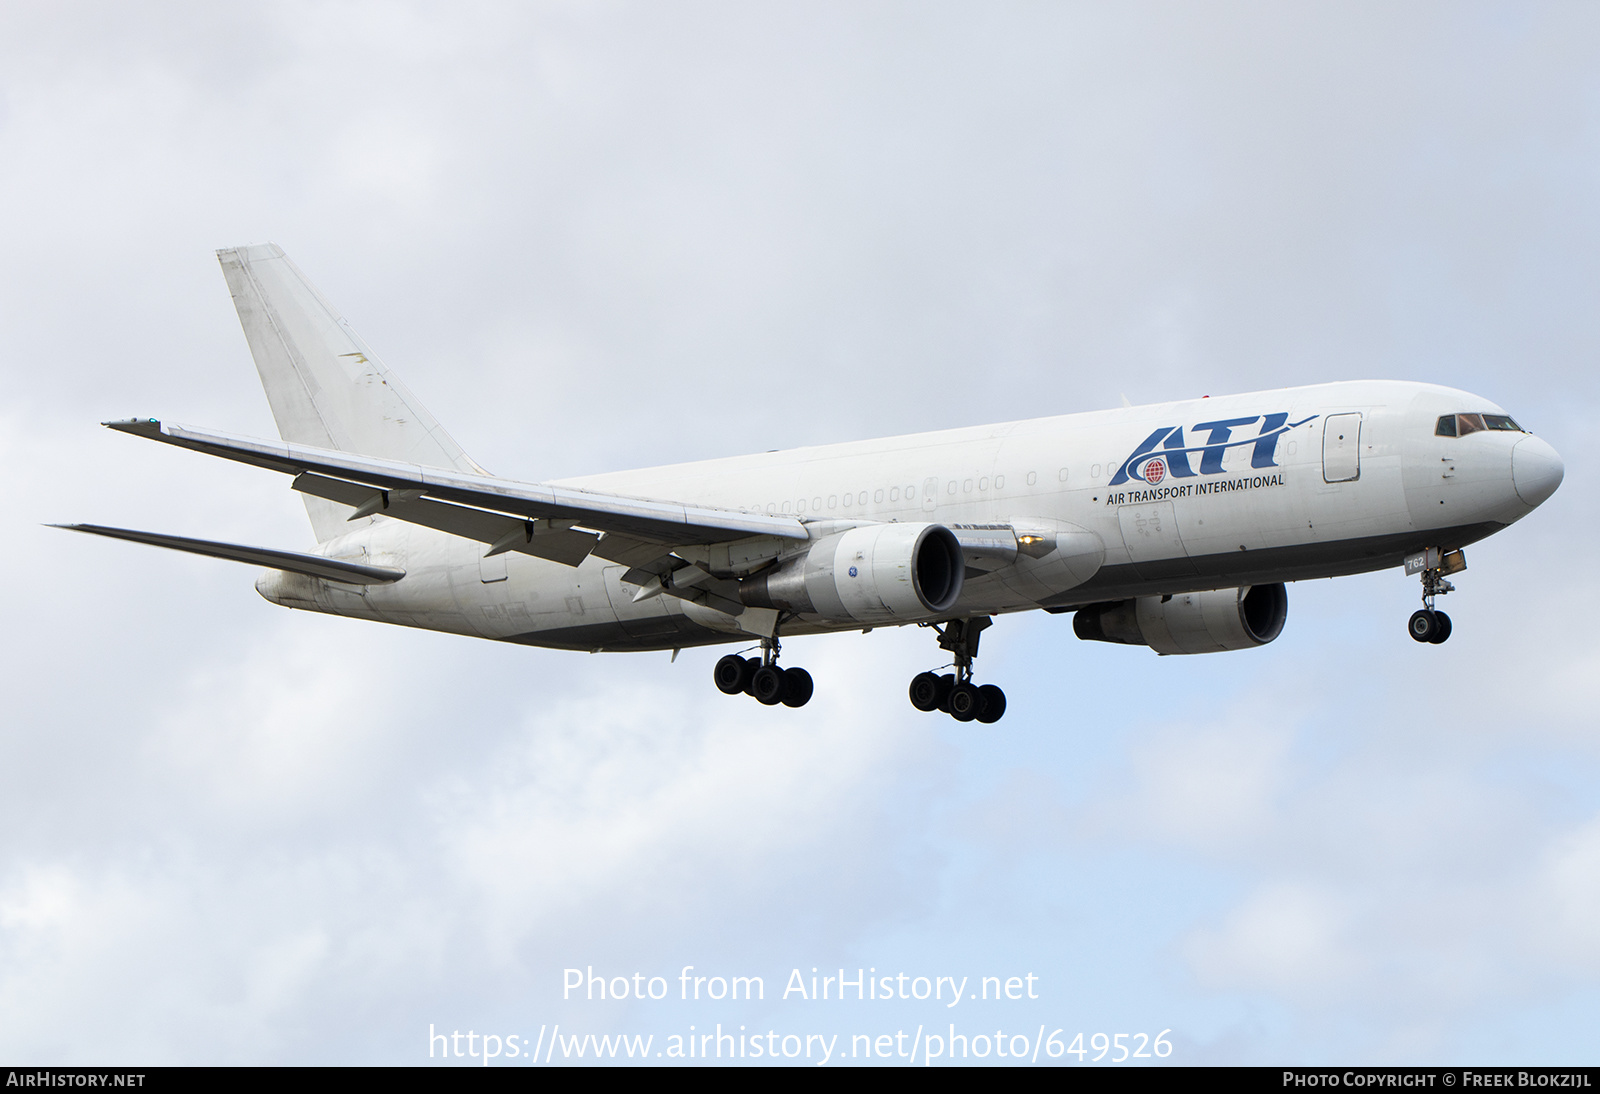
329,569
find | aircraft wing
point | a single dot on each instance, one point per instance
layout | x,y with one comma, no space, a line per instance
481,506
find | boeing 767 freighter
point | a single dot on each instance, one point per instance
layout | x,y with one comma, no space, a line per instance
1172,526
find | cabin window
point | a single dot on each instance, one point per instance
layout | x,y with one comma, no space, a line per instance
1033,477
894,493
983,485
878,496
999,482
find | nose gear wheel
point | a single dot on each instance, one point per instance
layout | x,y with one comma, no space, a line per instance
1429,626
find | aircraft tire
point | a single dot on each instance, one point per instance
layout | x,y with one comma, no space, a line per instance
768,686
731,674
1424,625
991,704
947,683
963,702
1444,628
751,665
797,687
925,691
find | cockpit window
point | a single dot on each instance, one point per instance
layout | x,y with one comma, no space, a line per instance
1459,425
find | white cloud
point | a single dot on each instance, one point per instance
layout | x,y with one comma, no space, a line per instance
1564,900
1285,939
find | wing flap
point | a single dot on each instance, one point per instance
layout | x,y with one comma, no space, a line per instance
501,532
631,552
329,569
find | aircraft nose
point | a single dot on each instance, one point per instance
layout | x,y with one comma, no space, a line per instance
1536,470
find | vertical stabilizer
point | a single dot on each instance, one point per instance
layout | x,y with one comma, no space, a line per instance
325,386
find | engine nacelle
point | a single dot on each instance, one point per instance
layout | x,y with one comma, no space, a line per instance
1210,622
880,573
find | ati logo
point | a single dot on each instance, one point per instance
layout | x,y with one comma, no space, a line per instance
1164,452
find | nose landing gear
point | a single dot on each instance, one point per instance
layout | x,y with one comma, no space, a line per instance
955,693
1429,624
762,678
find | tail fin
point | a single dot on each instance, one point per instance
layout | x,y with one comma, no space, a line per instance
325,386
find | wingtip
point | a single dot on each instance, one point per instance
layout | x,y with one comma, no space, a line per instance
139,426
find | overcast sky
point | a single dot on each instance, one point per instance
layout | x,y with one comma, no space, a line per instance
593,236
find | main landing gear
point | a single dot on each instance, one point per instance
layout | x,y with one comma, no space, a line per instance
1429,624
762,678
954,693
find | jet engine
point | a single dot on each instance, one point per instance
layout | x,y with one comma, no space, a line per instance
1209,622
879,573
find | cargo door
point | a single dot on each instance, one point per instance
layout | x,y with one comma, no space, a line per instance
1341,448
358,555
492,568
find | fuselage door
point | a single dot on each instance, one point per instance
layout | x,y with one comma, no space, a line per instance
1341,448
491,568
649,619
1150,532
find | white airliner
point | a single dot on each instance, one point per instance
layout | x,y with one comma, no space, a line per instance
1171,526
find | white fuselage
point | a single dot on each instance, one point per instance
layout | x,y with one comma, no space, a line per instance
1249,489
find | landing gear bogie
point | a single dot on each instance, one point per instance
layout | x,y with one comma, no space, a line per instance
954,693
763,679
